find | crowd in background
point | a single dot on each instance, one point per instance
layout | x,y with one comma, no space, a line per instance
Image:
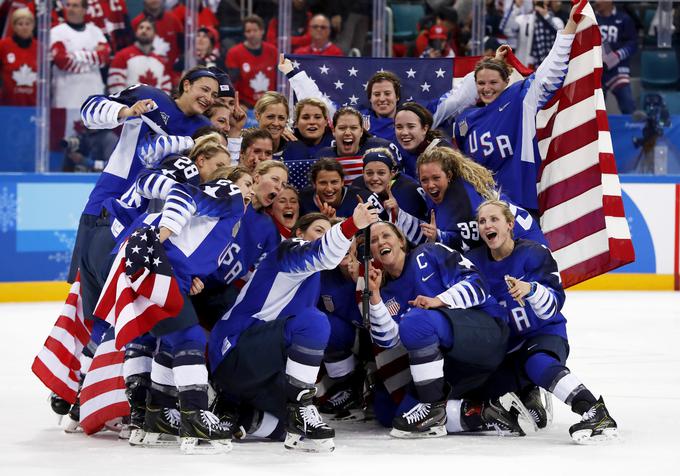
97,47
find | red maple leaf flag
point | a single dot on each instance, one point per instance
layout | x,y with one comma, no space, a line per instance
57,364
579,192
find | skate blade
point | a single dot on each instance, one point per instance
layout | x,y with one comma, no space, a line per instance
524,419
300,443
159,440
136,437
434,432
197,446
73,426
548,404
586,437
124,433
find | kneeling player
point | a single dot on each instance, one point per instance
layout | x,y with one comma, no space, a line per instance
266,351
523,275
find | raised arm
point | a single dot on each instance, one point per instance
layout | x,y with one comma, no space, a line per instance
303,85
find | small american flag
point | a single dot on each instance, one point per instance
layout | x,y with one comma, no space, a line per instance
140,290
102,398
57,364
579,192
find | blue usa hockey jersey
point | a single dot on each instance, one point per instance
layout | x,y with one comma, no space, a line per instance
432,270
285,282
501,135
101,112
529,261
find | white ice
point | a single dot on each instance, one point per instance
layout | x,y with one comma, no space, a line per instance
623,345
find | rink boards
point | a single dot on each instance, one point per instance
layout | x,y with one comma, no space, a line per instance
39,217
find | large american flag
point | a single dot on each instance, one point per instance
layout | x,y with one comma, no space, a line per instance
579,192
58,364
102,398
343,79
141,289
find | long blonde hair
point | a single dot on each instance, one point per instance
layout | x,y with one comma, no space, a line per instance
456,164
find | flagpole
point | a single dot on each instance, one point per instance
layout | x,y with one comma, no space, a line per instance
42,112
478,27
378,47
284,26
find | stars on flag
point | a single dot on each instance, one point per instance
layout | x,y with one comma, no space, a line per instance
422,79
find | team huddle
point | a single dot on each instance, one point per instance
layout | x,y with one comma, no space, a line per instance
273,236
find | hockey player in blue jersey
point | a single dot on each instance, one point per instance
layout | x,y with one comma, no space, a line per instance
433,301
256,236
271,113
146,113
382,178
415,134
619,43
276,310
178,369
338,301
161,183
312,133
285,210
523,276
328,194
501,133
455,186
351,141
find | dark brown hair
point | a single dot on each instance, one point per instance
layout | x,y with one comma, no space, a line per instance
500,66
384,76
326,164
305,221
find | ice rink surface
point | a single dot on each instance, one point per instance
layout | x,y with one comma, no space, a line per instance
625,345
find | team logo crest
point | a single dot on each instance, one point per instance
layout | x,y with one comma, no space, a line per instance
237,227
392,307
367,122
328,302
165,118
463,127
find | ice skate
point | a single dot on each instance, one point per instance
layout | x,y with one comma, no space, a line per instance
344,404
424,420
306,430
135,431
161,426
503,415
73,422
596,426
538,403
202,432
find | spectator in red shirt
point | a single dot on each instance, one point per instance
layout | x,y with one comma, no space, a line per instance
18,64
320,31
252,64
138,64
169,40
